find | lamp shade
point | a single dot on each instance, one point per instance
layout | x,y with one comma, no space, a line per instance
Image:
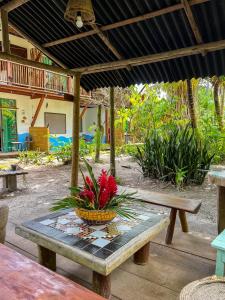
81,8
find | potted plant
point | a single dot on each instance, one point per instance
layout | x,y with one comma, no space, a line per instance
97,202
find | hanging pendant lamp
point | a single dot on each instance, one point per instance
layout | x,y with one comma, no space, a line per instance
80,12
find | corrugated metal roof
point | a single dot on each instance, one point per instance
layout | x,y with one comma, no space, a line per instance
43,20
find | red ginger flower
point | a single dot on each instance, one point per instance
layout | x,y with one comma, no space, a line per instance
108,188
112,186
89,182
87,194
102,180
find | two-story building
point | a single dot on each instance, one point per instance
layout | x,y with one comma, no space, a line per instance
32,97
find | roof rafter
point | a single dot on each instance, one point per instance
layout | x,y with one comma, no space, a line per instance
106,41
118,24
153,58
13,4
192,21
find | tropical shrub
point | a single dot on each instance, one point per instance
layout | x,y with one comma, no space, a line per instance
31,157
178,156
64,152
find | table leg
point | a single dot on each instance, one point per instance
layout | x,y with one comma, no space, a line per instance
102,285
47,258
142,255
221,209
12,183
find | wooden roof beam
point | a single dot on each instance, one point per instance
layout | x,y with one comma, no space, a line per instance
153,58
191,19
107,42
133,20
13,5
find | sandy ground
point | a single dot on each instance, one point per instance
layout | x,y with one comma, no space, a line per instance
44,185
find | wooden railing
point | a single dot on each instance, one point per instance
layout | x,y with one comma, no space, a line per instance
19,75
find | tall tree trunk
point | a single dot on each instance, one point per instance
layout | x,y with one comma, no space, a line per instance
222,102
98,134
217,104
191,104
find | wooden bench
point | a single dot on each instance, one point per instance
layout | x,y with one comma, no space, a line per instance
23,279
175,203
10,179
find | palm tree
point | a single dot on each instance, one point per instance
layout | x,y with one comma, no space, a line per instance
191,104
217,82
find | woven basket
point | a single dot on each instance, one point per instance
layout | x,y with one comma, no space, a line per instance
84,7
209,288
95,217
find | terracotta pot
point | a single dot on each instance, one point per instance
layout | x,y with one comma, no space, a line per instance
95,217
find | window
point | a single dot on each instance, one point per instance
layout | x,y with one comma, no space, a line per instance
56,123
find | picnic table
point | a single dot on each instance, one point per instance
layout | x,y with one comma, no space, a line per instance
218,178
10,179
100,248
23,279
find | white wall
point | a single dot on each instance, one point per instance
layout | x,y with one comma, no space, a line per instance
90,117
26,107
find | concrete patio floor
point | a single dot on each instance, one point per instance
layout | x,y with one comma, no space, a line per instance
169,268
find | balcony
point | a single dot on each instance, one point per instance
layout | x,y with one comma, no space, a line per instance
36,80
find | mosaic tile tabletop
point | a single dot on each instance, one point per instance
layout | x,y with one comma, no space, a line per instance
100,241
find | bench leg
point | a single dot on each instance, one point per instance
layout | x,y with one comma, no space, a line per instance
12,183
102,285
219,263
47,258
170,229
5,183
142,255
183,221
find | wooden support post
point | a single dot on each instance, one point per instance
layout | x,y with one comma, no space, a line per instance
221,208
76,131
37,110
102,285
5,32
47,258
170,229
183,221
112,134
106,124
142,255
98,135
